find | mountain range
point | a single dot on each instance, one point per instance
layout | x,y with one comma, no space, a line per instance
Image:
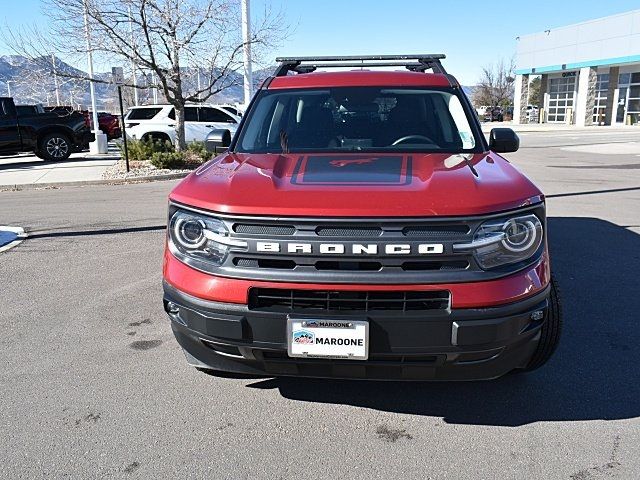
32,82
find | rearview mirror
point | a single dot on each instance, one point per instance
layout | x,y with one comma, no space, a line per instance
218,140
503,140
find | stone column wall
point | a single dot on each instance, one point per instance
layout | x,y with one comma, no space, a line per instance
610,112
524,97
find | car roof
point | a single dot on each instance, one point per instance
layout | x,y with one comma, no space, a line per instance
162,105
360,78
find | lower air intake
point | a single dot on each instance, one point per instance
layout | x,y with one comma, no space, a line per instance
284,300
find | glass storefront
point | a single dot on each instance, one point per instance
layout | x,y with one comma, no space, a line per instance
628,108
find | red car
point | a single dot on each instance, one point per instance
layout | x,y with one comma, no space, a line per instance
360,226
109,124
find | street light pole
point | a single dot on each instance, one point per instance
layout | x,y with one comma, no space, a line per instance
246,51
199,85
95,146
154,88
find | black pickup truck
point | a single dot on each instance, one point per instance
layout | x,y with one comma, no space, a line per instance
48,135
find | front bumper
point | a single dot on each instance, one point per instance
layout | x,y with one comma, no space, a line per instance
459,344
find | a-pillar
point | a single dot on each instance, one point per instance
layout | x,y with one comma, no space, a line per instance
586,98
520,99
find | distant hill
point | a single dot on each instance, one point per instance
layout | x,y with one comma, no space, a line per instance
33,82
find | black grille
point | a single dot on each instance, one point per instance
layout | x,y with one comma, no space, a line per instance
349,231
285,300
264,263
425,266
264,229
349,265
435,230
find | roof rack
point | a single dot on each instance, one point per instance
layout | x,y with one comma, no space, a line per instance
414,63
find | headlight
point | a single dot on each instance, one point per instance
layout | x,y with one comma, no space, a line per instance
505,241
199,240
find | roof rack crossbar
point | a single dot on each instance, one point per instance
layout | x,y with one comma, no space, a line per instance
414,63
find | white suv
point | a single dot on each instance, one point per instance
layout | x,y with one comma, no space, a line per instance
158,122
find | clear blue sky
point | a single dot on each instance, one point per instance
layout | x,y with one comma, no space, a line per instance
471,33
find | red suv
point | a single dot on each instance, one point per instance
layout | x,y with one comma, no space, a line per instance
360,226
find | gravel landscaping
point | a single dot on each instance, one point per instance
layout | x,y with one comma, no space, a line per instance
118,171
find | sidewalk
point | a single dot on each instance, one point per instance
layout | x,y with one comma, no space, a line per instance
556,127
29,169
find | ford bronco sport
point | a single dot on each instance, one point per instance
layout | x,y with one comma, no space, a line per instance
360,226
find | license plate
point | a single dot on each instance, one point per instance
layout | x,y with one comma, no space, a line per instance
315,338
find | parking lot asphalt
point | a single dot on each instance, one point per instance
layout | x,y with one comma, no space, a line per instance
94,385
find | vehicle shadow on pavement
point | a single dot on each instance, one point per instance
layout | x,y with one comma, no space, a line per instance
31,164
595,373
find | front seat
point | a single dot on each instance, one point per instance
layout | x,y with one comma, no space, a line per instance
315,129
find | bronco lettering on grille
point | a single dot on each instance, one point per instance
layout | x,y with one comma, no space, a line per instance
354,249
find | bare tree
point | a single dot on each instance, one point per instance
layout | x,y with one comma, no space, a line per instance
168,38
496,86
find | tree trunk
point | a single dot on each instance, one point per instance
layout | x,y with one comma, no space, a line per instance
181,143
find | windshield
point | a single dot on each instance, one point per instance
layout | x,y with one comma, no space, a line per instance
357,119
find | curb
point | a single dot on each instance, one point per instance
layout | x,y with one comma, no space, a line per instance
102,157
115,181
20,234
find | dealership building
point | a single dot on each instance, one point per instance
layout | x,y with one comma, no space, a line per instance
589,72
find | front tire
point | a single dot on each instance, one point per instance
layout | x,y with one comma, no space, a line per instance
54,147
550,332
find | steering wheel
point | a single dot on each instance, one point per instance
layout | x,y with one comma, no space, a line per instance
413,137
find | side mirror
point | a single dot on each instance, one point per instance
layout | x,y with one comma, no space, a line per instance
503,140
218,140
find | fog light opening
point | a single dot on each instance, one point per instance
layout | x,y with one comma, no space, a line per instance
537,315
172,308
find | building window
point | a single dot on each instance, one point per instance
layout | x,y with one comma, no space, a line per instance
561,97
628,108
600,104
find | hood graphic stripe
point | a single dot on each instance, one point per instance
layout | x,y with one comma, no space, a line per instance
355,170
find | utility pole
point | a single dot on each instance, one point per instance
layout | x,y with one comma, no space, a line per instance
246,51
55,79
99,145
133,63
199,85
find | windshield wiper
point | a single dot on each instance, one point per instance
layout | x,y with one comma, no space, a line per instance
470,165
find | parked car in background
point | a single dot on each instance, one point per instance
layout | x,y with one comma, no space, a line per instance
26,110
109,124
532,113
61,110
481,110
157,122
49,136
232,109
494,114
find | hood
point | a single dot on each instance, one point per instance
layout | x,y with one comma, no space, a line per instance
360,185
